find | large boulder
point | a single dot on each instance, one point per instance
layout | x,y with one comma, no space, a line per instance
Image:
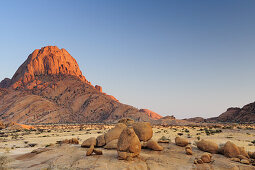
114,133
112,144
179,141
143,130
243,152
128,144
207,146
100,140
231,150
90,141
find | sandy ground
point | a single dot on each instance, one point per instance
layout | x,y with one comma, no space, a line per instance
73,156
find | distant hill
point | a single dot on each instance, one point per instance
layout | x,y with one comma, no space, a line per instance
50,88
238,115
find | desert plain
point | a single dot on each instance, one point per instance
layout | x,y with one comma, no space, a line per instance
40,147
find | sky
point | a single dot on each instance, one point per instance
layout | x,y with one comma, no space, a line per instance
175,57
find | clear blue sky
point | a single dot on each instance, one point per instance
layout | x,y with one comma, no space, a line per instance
183,58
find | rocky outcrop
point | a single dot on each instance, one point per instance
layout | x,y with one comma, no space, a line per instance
99,88
5,83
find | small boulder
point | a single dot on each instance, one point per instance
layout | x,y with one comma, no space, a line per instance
231,150
151,144
90,141
143,130
128,144
100,141
179,141
207,146
112,144
90,150
206,158
114,133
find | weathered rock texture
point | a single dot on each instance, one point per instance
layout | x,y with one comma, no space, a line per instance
128,144
50,88
48,60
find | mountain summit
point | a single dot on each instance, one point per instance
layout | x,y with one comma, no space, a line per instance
49,60
50,88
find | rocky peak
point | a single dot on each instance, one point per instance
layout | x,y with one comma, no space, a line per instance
49,60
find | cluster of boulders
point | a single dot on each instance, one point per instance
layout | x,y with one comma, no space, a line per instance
69,141
128,137
229,149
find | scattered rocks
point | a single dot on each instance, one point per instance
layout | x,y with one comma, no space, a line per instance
207,146
179,141
143,130
69,141
128,144
114,133
90,141
100,141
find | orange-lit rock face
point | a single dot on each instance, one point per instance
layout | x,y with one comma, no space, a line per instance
99,88
151,114
46,61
